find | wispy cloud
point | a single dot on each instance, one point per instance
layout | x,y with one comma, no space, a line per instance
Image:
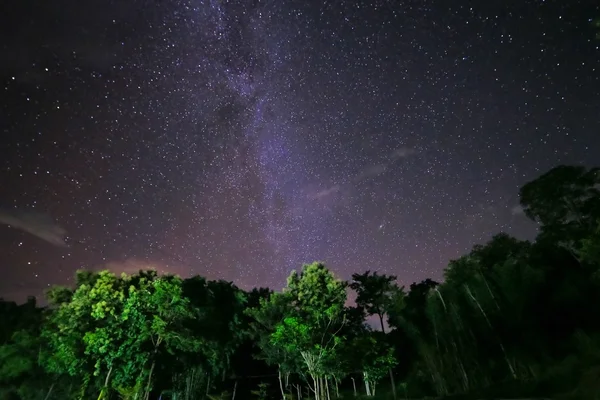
326,192
402,152
37,224
517,210
369,172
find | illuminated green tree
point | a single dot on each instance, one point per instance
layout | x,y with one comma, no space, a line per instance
315,315
265,318
159,316
64,330
376,358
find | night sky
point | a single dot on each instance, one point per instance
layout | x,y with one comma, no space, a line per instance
239,139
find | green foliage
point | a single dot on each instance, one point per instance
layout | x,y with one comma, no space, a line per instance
300,328
512,318
314,316
262,392
506,316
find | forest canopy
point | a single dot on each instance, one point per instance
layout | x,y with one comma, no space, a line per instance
510,318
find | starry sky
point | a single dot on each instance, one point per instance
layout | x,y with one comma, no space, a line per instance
239,139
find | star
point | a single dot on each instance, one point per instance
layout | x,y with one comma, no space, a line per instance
238,140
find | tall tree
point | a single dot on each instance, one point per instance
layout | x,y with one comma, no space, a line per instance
65,328
566,202
310,329
377,358
376,294
266,316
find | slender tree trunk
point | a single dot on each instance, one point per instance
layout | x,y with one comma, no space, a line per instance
318,397
49,391
441,298
299,392
337,390
321,388
188,384
327,387
489,289
510,367
367,387
108,376
234,390
149,383
390,370
461,367
393,384
287,379
224,372
316,386
207,384
354,386
280,383
105,387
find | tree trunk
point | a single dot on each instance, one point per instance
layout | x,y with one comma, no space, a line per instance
234,390
316,386
327,387
390,370
49,391
321,388
441,298
393,384
149,383
299,392
280,383
207,384
105,387
188,384
510,367
337,390
489,289
108,377
287,379
354,386
367,387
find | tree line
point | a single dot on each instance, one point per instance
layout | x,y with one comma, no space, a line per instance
511,317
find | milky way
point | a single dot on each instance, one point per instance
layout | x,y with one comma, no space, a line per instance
238,140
